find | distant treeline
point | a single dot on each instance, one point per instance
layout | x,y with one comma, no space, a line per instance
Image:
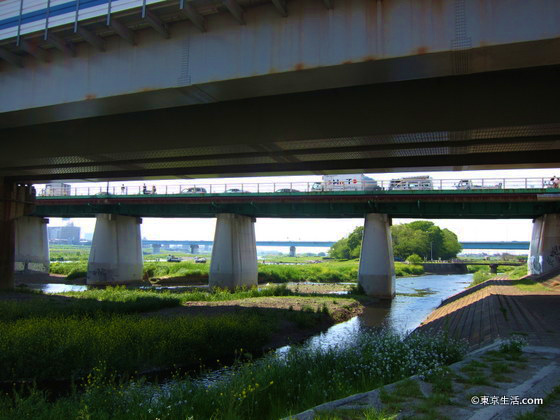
420,238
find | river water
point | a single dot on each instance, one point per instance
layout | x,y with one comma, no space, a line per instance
416,298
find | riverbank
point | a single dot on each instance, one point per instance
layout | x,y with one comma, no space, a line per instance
497,318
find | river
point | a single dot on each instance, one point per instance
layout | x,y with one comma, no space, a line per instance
416,298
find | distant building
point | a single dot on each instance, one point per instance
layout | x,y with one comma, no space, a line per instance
68,234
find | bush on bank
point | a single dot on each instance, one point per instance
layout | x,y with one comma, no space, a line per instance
270,388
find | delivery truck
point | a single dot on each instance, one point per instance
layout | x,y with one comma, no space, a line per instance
347,182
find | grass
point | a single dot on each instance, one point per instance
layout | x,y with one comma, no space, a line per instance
269,388
119,300
529,285
73,346
325,272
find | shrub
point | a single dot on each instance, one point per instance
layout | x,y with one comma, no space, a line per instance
414,259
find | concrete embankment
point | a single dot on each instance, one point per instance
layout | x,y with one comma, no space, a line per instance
496,309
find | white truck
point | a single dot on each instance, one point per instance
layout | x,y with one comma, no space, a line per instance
346,182
412,183
467,184
57,190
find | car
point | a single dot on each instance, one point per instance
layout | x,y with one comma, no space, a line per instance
194,190
287,190
236,191
173,258
200,260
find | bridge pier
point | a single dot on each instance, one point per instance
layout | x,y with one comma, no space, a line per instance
544,252
292,251
234,254
376,273
194,249
32,245
116,250
156,248
494,268
15,201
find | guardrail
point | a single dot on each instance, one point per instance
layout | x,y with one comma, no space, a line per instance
404,184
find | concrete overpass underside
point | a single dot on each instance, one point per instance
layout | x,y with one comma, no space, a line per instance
359,85
497,120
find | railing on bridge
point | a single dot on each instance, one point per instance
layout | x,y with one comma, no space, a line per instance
397,185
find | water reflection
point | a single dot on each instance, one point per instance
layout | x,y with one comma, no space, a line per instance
416,298
57,288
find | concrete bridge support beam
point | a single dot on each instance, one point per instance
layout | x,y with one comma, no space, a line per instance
234,254
32,246
15,201
544,253
376,273
116,251
156,248
292,251
195,249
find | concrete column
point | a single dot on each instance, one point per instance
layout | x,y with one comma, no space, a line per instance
292,251
156,248
194,249
15,201
544,253
7,239
234,254
32,246
376,274
116,250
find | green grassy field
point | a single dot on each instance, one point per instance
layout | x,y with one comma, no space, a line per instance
79,331
328,271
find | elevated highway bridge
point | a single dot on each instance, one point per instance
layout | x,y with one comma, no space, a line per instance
504,245
292,203
129,89
117,89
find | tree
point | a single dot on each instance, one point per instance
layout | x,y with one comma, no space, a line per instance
414,259
421,237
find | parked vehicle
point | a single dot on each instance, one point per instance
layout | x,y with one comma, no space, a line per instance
57,190
200,260
173,258
193,190
412,183
236,191
467,184
287,190
349,182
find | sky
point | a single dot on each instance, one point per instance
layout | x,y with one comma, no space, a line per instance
322,229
